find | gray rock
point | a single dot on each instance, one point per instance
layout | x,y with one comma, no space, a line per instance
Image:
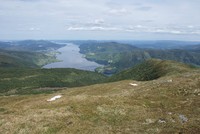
161,121
183,118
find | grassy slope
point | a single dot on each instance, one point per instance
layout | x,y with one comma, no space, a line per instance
31,81
151,107
151,69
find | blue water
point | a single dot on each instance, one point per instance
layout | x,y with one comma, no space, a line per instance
71,58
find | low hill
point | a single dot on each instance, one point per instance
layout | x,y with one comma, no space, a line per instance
32,81
152,69
169,104
104,53
25,59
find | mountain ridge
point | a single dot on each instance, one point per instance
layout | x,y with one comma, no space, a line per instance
152,69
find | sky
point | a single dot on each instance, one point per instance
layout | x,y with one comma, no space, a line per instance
100,19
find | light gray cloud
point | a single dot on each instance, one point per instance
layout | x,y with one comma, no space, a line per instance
141,29
119,12
93,28
63,18
144,8
34,29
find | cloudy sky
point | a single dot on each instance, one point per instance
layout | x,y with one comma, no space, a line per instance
100,19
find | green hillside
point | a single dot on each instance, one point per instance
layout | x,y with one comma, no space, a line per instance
185,56
31,81
25,59
152,69
104,53
117,57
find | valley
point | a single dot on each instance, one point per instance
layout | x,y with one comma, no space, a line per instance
99,67
70,57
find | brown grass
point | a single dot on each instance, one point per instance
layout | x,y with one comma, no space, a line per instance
108,108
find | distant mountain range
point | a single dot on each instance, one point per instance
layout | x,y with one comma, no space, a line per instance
161,44
30,45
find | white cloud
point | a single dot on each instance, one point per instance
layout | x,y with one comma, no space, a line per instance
95,22
99,21
190,26
34,29
121,11
139,29
28,29
95,28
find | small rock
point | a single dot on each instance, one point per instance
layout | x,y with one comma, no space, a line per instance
69,123
170,113
149,121
183,118
172,120
161,121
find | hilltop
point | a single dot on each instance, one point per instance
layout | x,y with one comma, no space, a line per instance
152,69
168,104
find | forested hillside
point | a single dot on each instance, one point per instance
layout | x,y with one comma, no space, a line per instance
25,59
117,57
32,81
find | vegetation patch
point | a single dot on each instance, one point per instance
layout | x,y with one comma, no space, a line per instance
152,69
34,81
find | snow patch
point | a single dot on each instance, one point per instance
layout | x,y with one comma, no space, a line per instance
133,84
54,98
169,80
